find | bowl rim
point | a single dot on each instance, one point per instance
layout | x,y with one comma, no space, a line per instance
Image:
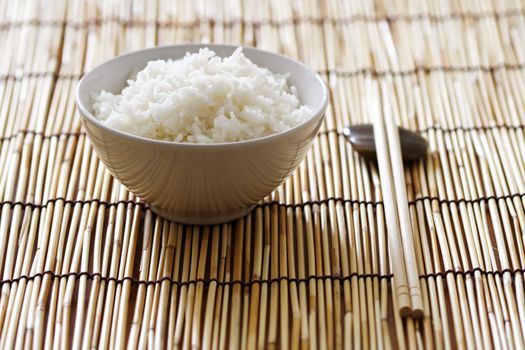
86,114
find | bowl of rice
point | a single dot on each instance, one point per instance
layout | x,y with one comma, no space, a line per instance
201,133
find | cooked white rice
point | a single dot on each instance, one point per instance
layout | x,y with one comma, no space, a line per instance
203,98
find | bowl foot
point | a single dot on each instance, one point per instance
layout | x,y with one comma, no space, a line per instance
201,220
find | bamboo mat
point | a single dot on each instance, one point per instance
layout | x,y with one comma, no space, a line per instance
85,263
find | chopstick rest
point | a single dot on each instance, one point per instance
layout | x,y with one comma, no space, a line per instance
361,136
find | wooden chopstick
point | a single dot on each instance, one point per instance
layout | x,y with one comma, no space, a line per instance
390,204
396,167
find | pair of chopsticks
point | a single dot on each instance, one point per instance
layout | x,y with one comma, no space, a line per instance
393,187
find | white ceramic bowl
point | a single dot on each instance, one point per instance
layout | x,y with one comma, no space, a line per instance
200,183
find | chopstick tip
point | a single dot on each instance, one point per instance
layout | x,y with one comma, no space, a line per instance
405,311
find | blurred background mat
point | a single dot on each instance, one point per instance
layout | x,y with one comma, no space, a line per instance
85,263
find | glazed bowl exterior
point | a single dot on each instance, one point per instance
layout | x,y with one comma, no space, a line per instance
200,183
